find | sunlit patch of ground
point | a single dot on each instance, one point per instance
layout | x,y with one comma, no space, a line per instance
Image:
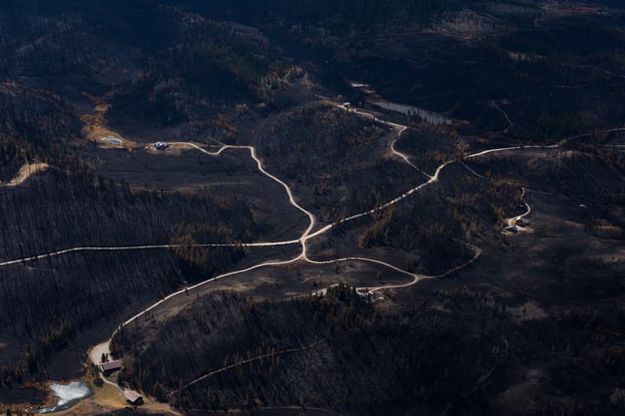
24,173
107,396
95,129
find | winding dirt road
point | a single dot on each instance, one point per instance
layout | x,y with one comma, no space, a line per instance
512,222
307,235
311,217
401,129
416,278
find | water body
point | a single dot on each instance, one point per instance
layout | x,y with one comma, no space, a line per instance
68,395
429,116
408,110
112,140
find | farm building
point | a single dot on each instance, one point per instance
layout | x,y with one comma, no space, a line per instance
133,397
111,366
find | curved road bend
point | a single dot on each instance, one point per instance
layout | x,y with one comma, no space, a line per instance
311,217
513,221
401,129
307,235
416,278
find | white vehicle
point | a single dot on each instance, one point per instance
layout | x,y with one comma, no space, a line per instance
161,145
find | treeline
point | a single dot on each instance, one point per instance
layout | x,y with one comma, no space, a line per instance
591,174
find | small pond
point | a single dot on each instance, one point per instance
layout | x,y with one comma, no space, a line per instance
112,140
428,116
68,395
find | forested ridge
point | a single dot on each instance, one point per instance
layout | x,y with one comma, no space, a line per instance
485,314
397,358
154,61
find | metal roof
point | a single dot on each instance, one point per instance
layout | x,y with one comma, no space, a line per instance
112,365
132,396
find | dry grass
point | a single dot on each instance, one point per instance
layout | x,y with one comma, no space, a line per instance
108,396
24,173
95,127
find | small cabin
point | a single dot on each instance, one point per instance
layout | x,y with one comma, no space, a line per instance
133,397
111,366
